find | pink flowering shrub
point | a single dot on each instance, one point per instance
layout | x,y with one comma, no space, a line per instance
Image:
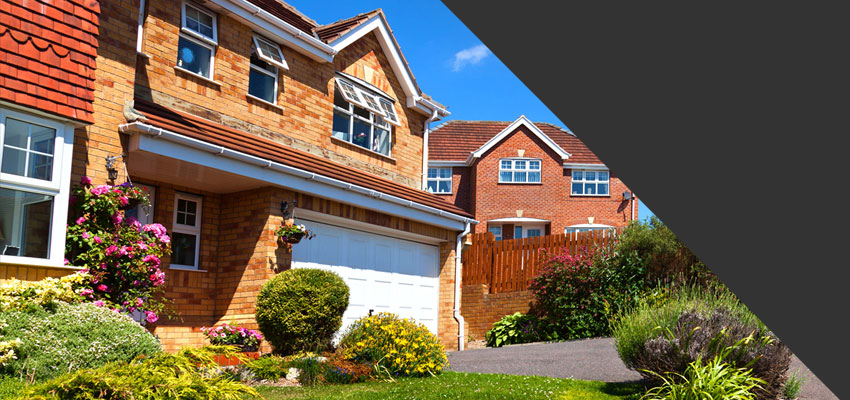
576,295
121,255
248,339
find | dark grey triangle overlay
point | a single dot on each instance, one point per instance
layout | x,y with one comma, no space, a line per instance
729,120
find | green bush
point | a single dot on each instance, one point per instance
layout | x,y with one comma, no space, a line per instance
713,380
577,294
664,257
187,375
72,336
519,328
301,309
697,322
10,386
394,345
791,389
269,367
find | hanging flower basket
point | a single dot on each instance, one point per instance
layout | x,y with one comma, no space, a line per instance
131,204
292,238
291,233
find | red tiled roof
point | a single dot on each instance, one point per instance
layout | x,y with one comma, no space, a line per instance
455,140
208,131
48,51
287,13
330,32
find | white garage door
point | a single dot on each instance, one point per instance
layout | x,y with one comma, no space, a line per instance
384,274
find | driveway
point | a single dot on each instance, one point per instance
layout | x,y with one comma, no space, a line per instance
589,359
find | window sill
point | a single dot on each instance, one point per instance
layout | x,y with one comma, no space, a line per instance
264,102
520,183
199,76
349,144
34,262
589,195
188,269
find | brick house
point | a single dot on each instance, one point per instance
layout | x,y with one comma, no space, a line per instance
234,114
524,179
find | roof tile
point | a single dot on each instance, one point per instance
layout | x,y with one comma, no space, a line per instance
199,128
455,140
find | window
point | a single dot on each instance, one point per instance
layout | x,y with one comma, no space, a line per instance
262,80
35,156
143,214
358,119
590,183
439,180
496,231
519,170
588,227
197,43
269,52
186,232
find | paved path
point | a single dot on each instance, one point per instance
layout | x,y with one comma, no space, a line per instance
590,359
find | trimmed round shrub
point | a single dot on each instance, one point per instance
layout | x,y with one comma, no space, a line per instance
301,309
398,347
71,337
698,322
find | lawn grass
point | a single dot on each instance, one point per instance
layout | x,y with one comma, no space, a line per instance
461,385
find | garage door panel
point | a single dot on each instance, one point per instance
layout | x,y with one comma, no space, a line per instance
384,274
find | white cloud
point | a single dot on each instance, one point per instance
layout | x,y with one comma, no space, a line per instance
470,56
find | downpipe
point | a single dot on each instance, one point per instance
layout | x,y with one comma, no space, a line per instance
434,116
458,317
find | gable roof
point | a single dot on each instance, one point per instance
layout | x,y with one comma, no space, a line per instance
287,13
207,131
457,141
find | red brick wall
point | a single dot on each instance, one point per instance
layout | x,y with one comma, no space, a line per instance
481,310
549,200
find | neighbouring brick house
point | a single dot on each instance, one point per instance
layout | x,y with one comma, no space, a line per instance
524,179
228,111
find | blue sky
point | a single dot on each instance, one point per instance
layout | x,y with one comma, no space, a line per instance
448,61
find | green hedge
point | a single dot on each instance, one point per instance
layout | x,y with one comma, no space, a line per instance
301,309
71,337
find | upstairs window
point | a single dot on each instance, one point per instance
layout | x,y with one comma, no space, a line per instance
269,52
198,41
361,118
590,183
35,162
440,180
519,170
266,58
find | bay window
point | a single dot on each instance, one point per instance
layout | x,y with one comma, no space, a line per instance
35,157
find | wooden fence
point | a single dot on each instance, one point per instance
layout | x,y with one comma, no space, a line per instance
509,265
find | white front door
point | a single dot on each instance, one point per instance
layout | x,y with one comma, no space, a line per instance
383,273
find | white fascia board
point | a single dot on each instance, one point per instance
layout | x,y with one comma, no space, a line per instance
518,219
600,167
173,145
276,29
439,163
393,52
521,121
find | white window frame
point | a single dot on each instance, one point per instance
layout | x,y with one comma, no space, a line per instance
372,121
268,73
438,179
389,111
587,227
527,169
584,181
199,39
258,40
58,187
189,229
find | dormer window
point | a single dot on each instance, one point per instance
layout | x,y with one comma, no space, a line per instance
362,116
198,41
